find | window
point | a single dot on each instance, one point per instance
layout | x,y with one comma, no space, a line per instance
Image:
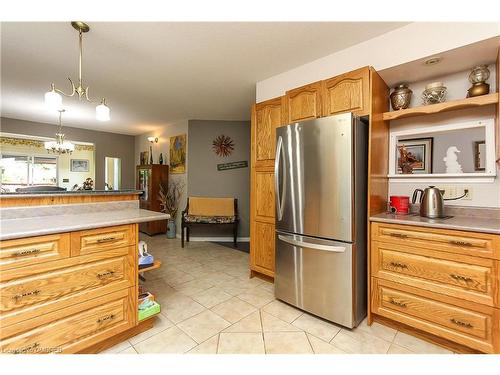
27,170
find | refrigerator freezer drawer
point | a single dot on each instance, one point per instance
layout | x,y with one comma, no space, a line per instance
316,275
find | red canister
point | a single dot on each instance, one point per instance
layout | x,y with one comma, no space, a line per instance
399,204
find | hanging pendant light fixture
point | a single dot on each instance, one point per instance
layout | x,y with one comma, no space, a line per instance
60,146
53,98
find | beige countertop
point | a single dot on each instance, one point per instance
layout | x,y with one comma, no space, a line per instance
66,193
69,222
466,223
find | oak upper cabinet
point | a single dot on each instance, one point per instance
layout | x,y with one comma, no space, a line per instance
304,103
348,92
266,117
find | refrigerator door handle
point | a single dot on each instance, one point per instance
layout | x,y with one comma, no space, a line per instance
294,242
280,196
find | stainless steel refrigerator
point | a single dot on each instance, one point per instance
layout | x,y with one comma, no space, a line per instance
321,197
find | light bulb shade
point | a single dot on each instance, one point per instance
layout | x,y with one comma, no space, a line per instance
58,147
102,112
53,100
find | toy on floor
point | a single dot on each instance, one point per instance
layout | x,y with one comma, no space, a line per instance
145,259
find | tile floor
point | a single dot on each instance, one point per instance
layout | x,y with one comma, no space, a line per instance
209,305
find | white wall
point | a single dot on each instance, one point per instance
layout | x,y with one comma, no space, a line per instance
483,193
164,133
408,43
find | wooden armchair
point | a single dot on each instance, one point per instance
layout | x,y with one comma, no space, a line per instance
203,211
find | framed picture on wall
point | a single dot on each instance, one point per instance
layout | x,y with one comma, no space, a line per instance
178,154
79,165
420,151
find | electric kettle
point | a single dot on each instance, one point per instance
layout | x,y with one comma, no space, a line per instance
431,202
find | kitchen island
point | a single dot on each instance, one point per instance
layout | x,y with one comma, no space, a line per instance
69,270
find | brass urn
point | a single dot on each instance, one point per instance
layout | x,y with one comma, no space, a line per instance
478,77
400,97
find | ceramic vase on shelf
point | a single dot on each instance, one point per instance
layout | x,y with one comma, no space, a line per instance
434,93
160,159
151,155
171,228
401,97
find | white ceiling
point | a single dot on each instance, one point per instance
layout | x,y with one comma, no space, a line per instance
156,73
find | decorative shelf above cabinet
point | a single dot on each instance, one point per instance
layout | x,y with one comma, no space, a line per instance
477,101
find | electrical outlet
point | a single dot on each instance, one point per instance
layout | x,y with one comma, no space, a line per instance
468,197
449,191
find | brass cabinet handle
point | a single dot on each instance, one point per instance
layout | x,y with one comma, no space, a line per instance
26,349
461,324
461,243
26,294
106,317
461,278
27,252
397,264
399,235
398,303
106,239
105,274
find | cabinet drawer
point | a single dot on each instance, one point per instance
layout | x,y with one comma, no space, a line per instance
27,293
471,278
33,250
95,240
434,314
459,242
71,333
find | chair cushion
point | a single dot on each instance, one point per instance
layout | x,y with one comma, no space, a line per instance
209,219
204,206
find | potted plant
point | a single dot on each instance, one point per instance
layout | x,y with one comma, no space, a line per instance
169,197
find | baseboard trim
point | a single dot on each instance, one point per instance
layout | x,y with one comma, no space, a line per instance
215,239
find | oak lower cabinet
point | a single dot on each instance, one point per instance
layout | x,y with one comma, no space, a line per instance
262,226
66,293
266,117
444,284
349,92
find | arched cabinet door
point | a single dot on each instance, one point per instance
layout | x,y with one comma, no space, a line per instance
348,92
304,103
266,117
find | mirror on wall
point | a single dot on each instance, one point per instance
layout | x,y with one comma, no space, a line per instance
25,164
112,173
453,150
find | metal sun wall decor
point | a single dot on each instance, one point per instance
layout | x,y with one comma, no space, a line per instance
223,145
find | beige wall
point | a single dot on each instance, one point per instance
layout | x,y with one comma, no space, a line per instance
164,133
204,178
